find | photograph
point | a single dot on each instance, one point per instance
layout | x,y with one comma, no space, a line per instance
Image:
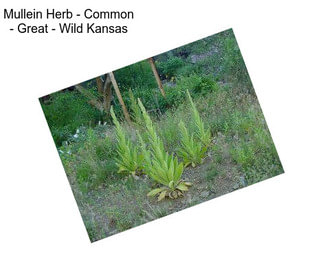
161,135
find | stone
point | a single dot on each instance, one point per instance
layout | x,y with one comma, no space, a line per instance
243,182
205,194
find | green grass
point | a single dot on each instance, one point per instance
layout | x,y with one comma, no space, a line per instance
90,161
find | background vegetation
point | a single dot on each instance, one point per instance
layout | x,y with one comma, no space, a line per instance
241,151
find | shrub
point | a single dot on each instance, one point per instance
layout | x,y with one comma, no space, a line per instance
186,70
196,84
137,75
150,97
170,66
66,112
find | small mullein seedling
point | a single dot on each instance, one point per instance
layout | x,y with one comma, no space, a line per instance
203,134
129,159
160,165
191,151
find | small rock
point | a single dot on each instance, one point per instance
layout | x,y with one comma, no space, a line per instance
243,182
205,194
236,186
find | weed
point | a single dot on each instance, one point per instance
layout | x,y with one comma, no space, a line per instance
203,134
191,151
169,67
129,160
211,172
136,113
161,166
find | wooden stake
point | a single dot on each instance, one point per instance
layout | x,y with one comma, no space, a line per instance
153,67
107,94
116,88
99,84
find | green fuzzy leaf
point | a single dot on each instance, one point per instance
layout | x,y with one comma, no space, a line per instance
182,187
154,192
162,195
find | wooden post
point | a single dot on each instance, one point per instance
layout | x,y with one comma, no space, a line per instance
107,94
116,88
153,67
99,84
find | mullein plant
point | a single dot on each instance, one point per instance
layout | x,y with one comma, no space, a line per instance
159,165
203,134
136,114
129,158
191,151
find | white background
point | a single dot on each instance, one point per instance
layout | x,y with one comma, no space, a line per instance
273,225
